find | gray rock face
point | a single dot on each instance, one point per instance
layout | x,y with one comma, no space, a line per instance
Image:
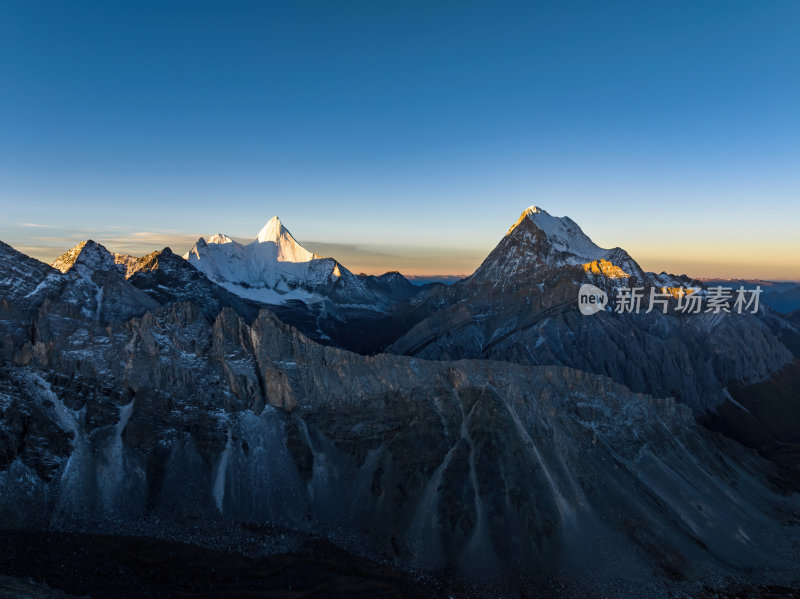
168,278
24,280
485,468
24,284
690,357
86,285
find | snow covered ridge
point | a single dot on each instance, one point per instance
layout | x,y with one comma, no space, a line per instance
273,261
274,269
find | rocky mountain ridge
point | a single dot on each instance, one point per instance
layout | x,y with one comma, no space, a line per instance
139,389
525,470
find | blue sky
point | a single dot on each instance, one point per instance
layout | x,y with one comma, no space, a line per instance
408,134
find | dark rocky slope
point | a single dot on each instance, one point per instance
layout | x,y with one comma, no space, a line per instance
492,470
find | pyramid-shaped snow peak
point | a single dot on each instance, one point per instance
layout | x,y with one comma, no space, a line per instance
288,250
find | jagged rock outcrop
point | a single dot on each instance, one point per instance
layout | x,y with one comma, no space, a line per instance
95,288
24,280
24,284
168,278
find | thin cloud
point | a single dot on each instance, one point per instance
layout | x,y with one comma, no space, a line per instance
37,226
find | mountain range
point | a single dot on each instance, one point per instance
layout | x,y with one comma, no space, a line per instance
484,431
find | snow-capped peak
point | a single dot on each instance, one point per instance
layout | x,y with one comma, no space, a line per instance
563,233
539,242
288,248
272,231
535,210
219,238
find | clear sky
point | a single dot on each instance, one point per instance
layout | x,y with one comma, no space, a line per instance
406,135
